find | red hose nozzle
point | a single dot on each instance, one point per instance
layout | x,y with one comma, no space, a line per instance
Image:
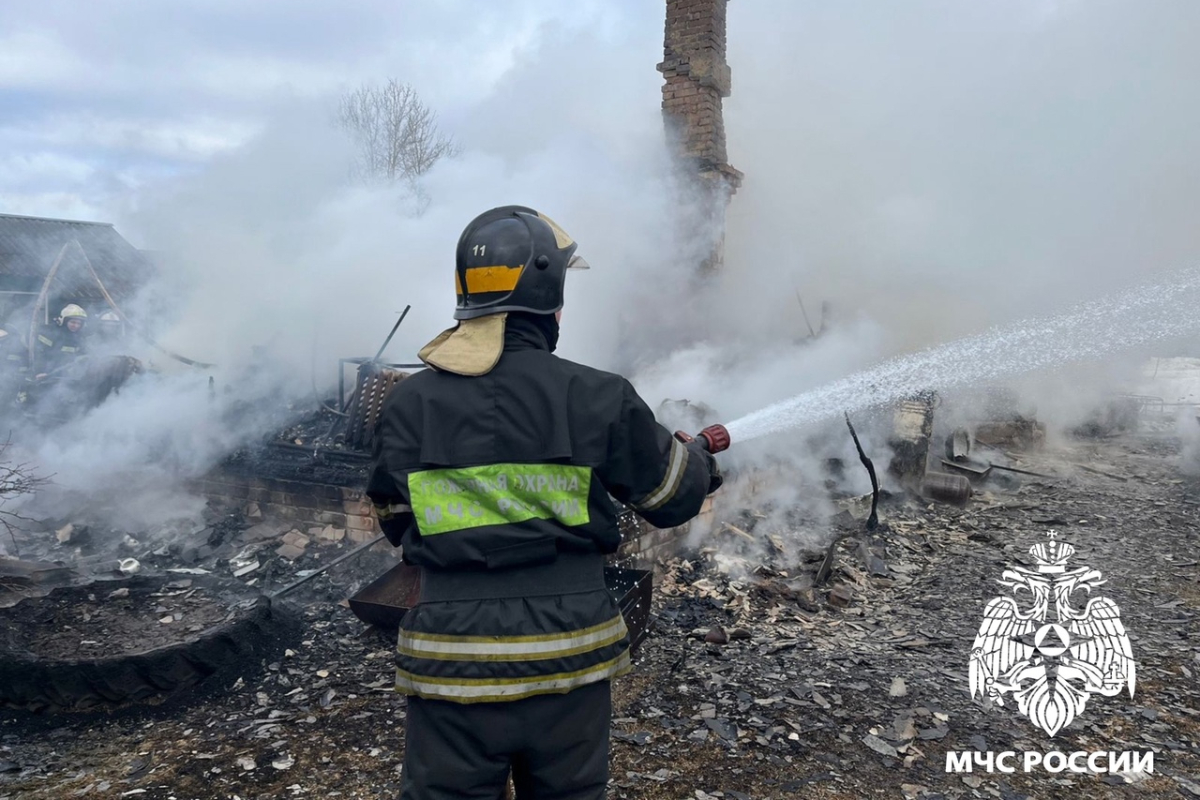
714,438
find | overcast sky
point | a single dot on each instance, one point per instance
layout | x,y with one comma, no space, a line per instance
97,99
933,166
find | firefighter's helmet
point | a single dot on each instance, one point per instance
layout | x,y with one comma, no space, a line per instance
71,311
512,259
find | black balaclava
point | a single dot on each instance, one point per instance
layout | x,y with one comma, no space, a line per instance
544,324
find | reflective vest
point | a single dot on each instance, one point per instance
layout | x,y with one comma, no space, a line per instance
56,347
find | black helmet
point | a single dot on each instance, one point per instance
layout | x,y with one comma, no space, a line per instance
512,259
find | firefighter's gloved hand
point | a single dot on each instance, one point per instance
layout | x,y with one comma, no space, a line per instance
393,533
394,520
715,479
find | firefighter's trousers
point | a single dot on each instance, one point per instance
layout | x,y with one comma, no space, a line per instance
556,746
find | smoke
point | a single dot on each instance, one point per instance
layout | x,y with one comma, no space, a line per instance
939,168
932,169
928,168
949,166
275,264
125,465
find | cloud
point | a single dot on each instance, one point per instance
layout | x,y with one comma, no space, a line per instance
33,59
149,89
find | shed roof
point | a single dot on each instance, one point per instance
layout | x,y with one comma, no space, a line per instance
29,246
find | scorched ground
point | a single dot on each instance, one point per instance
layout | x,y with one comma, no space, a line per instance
804,699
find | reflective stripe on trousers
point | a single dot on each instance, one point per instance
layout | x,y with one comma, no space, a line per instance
486,690
511,648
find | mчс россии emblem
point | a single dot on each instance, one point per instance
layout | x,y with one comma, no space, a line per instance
1050,657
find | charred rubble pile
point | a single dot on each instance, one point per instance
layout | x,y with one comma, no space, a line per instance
860,684
229,544
98,617
751,685
757,679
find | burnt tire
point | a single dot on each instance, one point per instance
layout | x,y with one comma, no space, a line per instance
41,685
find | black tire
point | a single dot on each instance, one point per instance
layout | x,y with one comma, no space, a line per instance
42,685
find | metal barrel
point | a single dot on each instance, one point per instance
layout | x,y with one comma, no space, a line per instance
954,489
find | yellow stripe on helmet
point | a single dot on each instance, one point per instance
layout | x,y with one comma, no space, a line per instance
481,280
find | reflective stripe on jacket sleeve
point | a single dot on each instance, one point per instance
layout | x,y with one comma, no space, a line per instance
387,511
662,494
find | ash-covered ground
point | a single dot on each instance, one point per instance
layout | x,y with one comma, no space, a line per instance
759,685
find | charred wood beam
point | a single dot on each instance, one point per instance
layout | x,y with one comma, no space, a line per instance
873,519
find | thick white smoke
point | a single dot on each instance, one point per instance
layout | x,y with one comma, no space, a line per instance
276,264
930,168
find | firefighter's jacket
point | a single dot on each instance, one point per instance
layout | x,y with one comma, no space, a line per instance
498,487
57,346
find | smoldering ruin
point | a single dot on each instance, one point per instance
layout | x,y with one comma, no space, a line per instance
196,599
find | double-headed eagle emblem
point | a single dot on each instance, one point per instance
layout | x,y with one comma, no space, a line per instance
1051,658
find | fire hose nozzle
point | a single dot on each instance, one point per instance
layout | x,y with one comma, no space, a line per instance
714,438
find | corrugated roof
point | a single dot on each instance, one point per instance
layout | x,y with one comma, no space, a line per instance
29,245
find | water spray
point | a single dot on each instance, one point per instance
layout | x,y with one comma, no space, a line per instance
1091,330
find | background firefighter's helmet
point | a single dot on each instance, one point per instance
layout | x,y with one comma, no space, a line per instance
109,326
71,311
512,259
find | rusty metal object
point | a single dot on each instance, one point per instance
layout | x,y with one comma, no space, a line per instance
958,444
954,489
1118,415
384,601
972,469
374,383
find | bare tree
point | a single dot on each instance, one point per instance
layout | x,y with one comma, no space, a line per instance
16,479
396,134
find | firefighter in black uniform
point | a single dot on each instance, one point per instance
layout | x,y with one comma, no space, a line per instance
494,469
61,344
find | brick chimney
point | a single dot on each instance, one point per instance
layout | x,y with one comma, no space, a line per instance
696,78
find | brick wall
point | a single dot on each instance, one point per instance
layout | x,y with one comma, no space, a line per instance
643,545
303,504
696,77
